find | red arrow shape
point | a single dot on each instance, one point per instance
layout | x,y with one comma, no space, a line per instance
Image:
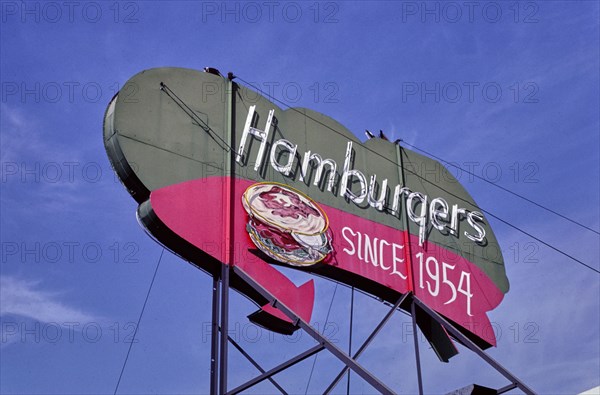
194,211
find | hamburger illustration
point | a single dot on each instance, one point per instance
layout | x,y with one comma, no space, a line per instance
286,225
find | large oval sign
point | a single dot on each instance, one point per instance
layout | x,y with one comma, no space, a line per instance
225,176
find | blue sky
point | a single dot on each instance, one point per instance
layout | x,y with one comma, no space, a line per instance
510,90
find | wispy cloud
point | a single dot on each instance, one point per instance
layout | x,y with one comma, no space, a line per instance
54,175
26,298
17,134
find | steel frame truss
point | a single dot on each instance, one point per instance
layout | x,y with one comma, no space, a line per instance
219,341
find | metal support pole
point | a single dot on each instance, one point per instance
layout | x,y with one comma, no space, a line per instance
229,220
311,331
411,275
224,328
416,338
350,337
214,341
474,347
408,250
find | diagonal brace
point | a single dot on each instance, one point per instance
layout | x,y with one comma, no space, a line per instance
254,363
473,347
368,341
336,351
267,375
